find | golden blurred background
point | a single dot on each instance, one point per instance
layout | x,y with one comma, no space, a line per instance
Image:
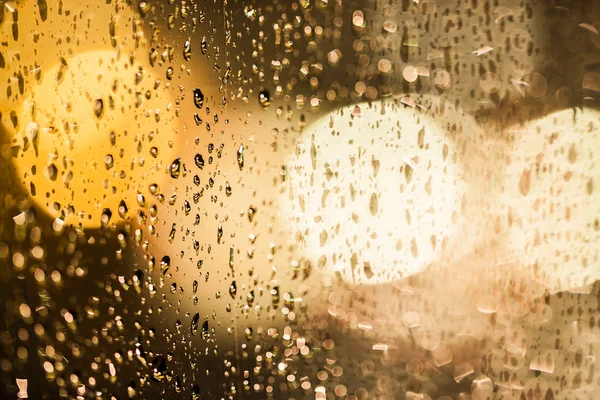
360,199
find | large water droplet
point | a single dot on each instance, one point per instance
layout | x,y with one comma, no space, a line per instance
264,98
199,160
175,169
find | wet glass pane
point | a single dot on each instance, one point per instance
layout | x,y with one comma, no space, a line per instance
313,199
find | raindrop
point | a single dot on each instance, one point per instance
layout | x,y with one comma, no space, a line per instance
240,156
196,392
198,98
205,330
98,108
165,264
159,368
153,54
251,213
172,234
199,160
144,8
203,45
51,172
194,325
264,98
122,209
109,162
175,168
187,50
233,289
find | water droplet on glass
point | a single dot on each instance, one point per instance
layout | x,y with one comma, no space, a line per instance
240,156
109,162
187,50
198,98
165,264
175,169
98,108
205,332
172,234
169,73
144,8
199,160
153,56
233,289
203,45
264,98
159,367
194,325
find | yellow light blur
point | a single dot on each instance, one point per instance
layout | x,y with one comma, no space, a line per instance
86,160
74,161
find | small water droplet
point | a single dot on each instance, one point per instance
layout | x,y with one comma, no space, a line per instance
199,160
153,53
187,50
172,233
205,332
165,264
159,367
109,162
233,289
122,209
240,156
219,233
203,45
98,108
198,98
144,8
194,325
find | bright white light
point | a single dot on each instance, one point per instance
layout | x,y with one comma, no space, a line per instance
375,194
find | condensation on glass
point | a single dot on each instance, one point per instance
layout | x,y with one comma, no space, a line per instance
328,199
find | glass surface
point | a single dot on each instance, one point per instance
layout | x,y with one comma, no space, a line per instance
328,199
